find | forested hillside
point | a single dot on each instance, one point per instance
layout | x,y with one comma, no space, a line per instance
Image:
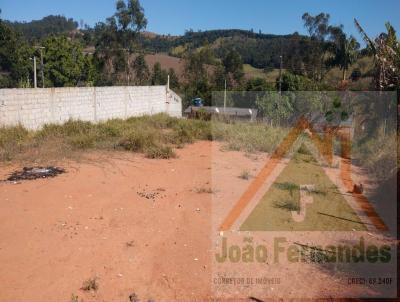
259,50
39,29
119,51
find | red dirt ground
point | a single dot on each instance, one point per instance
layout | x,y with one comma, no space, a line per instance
91,222
137,225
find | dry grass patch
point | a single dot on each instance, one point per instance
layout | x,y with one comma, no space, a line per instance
204,190
154,136
245,175
90,285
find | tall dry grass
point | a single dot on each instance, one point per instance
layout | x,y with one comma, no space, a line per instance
155,136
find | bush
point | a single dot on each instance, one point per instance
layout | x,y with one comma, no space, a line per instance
244,175
111,129
377,154
138,140
13,135
82,141
248,137
12,141
292,82
90,285
160,152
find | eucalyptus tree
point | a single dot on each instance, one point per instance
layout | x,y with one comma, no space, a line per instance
319,30
345,50
141,71
233,66
159,76
117,38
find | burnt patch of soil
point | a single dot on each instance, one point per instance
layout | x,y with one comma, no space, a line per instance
33,173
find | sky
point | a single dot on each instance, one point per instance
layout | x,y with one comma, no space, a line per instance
175,16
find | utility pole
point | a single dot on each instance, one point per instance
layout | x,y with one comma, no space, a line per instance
34,72
280,75
41,65
128,62
225,97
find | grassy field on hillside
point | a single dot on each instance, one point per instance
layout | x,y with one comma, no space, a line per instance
364,64
252,72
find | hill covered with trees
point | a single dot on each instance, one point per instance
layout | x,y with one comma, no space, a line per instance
39,29
119,51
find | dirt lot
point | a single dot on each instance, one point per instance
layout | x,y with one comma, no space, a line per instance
136,225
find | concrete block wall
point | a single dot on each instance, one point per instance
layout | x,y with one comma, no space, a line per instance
174,104
34,108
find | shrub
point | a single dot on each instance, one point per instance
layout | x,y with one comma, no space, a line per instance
90,284
288,186
12,141
138,140
13,135
111,129
245,175
74,127
160,152
82,141
292,82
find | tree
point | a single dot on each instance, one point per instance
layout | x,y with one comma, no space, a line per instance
317,26
318,29
40,29
15,65
159,76
173,79
141,71
219,77
107,52
258,84
386,51
233,66
274,106
128,21
117,38
130,16
292,82
197,62
345,50
90,74
64,62
197,74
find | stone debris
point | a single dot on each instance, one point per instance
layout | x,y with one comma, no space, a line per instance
152,195
134,298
